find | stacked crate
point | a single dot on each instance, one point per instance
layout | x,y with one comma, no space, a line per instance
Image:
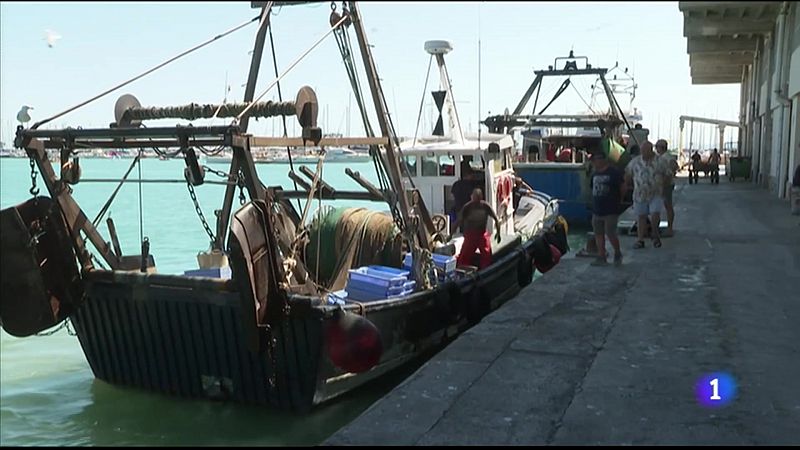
377,283
445,265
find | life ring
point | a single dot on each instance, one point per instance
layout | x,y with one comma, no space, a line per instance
504,188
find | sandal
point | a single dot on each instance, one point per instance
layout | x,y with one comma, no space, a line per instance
657,243
638,244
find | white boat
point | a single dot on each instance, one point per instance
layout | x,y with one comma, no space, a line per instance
332,155
434,164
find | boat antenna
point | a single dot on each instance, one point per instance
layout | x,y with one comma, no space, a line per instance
479,75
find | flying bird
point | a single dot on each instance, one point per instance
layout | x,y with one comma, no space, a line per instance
22,116
51,37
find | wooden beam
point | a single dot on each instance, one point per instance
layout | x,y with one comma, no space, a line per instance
337,195
299,180
265,141
695,45
700,6
224,216
721,71
371,188
74,216
717,27
717,80
719,59
311,174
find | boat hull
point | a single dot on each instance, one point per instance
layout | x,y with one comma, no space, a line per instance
567,182
184,337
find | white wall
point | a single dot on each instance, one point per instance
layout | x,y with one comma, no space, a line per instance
794,73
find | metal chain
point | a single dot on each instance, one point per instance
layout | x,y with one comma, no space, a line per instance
200,213
271,344
240,183
218,173
33,190
64,324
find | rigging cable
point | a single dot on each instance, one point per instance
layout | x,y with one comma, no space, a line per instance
147,72
141,215
558,94
346,50
422,102
280,99
291,66
584,101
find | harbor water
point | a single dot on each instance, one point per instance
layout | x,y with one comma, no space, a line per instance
48,394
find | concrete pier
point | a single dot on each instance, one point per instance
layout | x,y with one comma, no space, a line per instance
610,355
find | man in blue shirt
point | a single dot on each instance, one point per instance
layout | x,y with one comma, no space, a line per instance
608,190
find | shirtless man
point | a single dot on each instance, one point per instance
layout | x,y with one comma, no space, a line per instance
474,216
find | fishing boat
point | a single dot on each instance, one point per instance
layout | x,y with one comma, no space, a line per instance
557,144
271,316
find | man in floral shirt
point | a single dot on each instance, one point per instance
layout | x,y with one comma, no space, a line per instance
649,175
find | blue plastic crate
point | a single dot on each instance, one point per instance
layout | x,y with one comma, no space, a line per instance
392,271
365,296
442,262
380,278
379,290
337,298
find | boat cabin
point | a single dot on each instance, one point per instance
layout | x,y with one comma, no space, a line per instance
436,163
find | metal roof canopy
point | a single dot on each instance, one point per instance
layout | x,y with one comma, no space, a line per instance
722,37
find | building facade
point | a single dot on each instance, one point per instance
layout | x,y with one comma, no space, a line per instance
756,44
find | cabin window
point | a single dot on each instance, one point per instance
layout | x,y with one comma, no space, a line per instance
430,166
411,164
447,165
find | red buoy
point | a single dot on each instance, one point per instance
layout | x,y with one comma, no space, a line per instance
556,257
354,343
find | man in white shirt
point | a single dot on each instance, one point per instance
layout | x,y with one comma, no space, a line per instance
647,173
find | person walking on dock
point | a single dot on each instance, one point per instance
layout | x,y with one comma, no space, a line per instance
694,167
669,182
713,166
608,190
648,173
475,216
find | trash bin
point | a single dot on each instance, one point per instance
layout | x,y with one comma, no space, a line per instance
738,166
795,200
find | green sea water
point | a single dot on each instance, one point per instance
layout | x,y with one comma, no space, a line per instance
48,394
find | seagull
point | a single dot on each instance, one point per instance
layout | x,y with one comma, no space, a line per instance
51,37
22,116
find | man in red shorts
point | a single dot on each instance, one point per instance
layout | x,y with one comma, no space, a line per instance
474,216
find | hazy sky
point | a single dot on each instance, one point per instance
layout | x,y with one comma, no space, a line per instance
103,44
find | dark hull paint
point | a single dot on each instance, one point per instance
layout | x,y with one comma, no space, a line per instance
188,341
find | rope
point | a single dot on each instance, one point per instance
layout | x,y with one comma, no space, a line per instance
581,97
194,111
558,94
280,98
291,66
141,215
121,85
105,207
422,102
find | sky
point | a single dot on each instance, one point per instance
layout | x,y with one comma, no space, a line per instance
105,43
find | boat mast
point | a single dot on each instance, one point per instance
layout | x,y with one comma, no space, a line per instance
255,63
391,161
